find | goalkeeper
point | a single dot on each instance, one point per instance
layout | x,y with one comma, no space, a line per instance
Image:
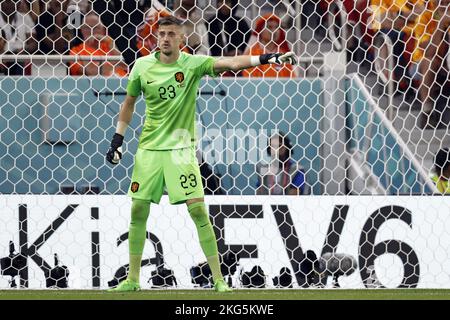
169,80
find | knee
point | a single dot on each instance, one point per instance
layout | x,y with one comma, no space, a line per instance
198,215
197,212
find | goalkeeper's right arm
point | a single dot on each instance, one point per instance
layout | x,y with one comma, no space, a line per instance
114,153
246,61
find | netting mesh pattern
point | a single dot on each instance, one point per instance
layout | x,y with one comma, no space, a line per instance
364,113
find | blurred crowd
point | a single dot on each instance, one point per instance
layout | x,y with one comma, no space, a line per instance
106,28
418,29
419,32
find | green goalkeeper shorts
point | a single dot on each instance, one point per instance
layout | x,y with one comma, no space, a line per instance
176,170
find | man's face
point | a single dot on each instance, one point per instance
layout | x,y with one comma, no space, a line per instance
170,38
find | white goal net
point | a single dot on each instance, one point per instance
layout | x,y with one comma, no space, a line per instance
330,173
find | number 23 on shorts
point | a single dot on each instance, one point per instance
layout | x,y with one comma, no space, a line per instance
188,182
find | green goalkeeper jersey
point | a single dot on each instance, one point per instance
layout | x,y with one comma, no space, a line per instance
170,92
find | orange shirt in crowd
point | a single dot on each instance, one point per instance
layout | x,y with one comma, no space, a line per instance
258,48
76,68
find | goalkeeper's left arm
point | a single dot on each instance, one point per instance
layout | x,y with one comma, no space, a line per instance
114,153
243,62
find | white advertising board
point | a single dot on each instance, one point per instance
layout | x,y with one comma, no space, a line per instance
406,239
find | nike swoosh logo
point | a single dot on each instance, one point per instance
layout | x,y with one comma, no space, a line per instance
188,193
203,225
150,82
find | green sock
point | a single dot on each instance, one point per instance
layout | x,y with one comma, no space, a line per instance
135,267
207,237
140,210
216,272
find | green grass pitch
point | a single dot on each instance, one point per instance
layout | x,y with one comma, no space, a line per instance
238,294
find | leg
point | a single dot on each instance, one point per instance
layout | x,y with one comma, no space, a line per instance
207,238
184,185
140,210
147,182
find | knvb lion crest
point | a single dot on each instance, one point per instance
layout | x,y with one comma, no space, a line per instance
134,187
179,76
